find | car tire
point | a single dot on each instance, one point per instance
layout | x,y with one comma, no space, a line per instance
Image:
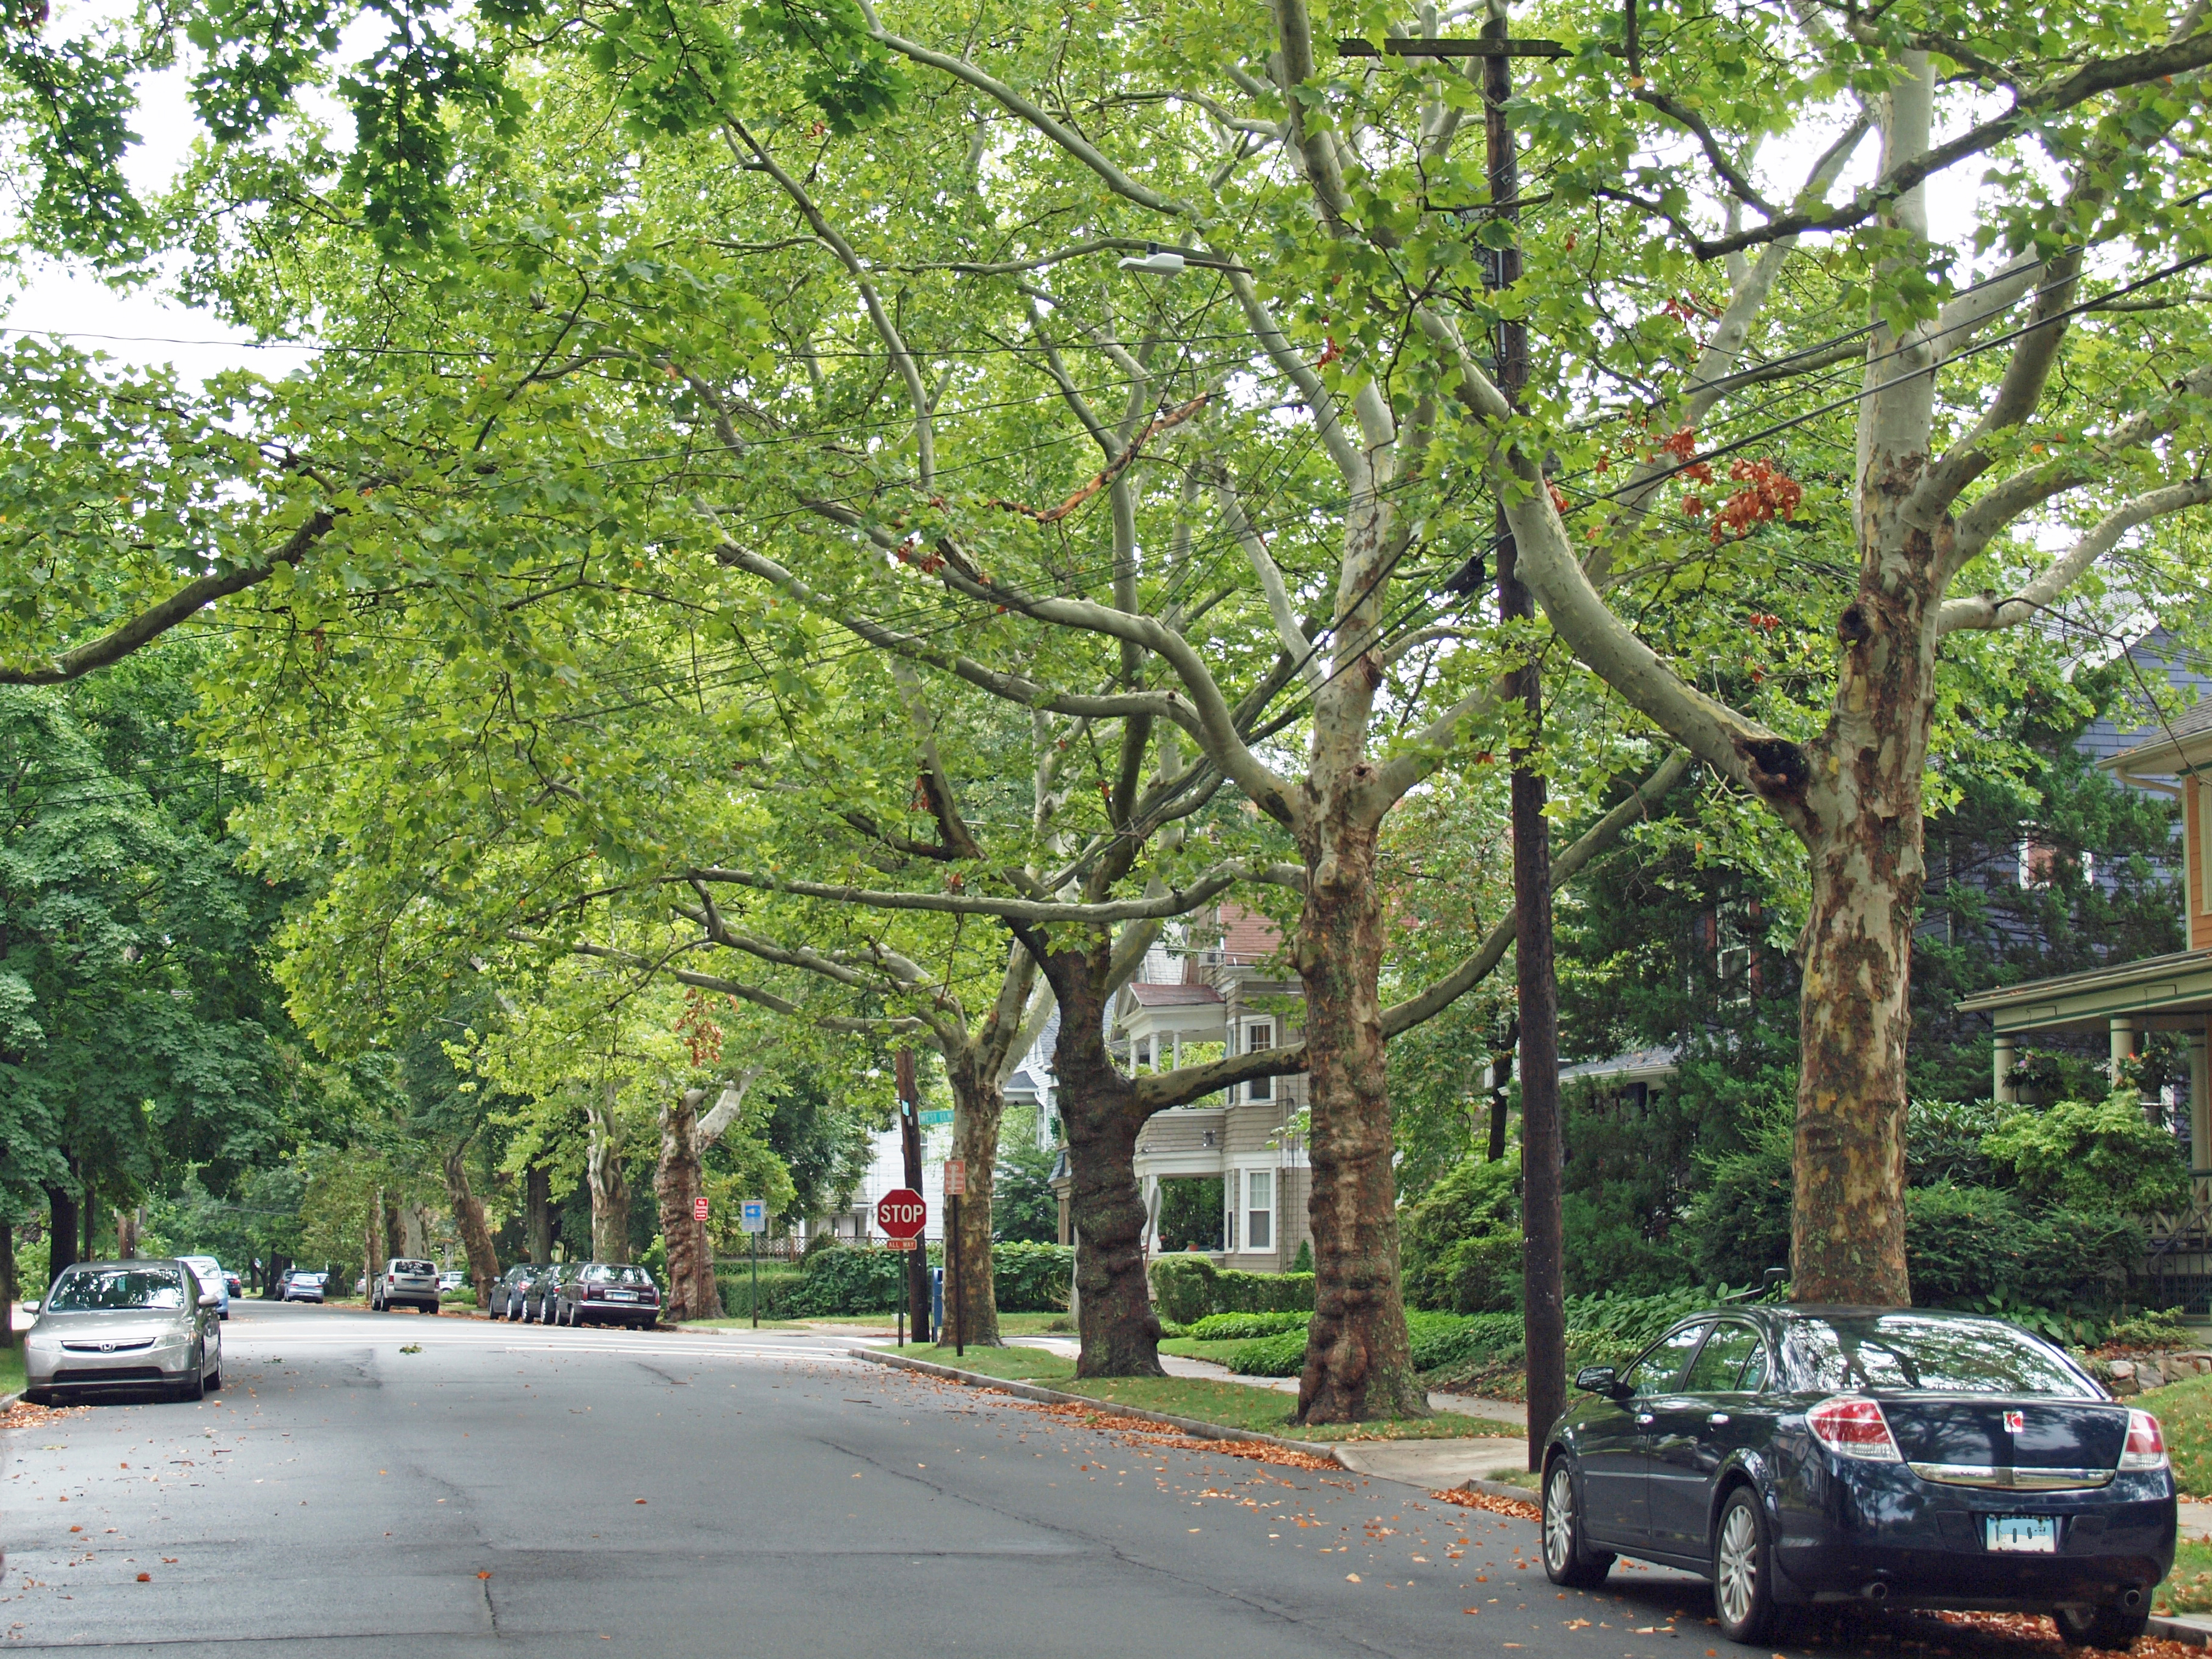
1743,1569
194,1387
215,1383
2099,1628
1568,1557
38,1397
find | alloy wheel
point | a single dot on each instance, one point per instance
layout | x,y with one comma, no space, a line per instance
1736,1569
1560,1518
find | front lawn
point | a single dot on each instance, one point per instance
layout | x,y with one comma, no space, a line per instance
2188,1587
1190,1347
11,1366
1232,1405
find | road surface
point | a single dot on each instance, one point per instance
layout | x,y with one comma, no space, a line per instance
521,1491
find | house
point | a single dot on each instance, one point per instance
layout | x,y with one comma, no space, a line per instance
2125,1000
1217,990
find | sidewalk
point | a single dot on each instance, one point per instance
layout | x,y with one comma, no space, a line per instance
1496,1410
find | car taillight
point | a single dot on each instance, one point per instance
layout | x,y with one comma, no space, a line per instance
1852,1427
2145,1447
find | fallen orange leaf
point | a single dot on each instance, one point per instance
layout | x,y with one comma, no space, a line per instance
483,1575
145,1577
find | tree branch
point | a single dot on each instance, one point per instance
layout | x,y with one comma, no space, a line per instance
1985,610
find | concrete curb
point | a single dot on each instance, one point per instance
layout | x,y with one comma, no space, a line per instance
1185,1425
2193,1632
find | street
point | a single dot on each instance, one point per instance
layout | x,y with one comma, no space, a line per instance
469,1487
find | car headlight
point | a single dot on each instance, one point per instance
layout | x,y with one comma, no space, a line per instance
173,1339
43,1344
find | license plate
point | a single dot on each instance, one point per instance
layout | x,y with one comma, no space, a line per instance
2025,1534
622,1295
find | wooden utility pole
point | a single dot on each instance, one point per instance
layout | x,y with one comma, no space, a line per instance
1541,1228
917,1259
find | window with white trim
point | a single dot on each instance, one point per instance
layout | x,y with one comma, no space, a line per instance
1260,1210
1258,1038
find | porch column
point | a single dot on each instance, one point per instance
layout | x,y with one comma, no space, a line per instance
2000,1054
2124,1044
2200,1110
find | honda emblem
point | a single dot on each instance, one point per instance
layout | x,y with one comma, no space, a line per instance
107,1347
2015,1422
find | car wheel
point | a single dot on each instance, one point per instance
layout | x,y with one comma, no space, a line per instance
38,1397
2099,1628
1568,1557
1743,1569
195,1386
215,1383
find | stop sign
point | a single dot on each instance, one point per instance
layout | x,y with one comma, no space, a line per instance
901,1212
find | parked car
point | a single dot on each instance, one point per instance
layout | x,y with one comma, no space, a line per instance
538,1295
452,1279
211,1277
506,1300
406,1282
302,1285
109,1326
1905,1456
605,1292
234,1285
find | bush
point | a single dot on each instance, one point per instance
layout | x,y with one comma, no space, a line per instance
1187,1288
1282,1355
1440,1339
1739,1225
781,1291
1031,1278
2085,1155
1968,1247
1462,1240
1240,1326
851,1281
1612,1330
1944,1141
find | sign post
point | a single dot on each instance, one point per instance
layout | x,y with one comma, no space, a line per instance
752,1216
956,1186
902,1213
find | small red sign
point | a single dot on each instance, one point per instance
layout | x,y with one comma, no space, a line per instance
902,1212
901,1243
956,1178
698,1209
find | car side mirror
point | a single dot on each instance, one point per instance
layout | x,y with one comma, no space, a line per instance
1598,1379
30,1307
210,1299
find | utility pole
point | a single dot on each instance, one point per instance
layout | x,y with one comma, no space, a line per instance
917,1259
1542,1288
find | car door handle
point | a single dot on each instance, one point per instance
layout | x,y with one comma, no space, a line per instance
1643,1419
1718,1418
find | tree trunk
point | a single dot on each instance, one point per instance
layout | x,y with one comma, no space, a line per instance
395,1230
61,1231
87,1215
7,1284
372,1260
537,1211
1119,1333
126,1234
978,1104
469,1218
676,1186
414,1228
1359,1361
610,1191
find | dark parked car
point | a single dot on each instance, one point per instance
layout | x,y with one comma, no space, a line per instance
538,1296
301,1285
606,1293
1904,1456
506,1301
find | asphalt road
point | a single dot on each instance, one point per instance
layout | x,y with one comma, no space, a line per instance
546,1492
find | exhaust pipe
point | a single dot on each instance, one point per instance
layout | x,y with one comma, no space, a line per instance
2131,1598
1876,1592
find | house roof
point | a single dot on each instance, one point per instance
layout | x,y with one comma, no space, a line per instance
2175,986
1637,1066
1170,996
1247,937
2181,741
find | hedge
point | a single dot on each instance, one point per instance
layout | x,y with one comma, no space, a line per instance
831,1283
1438,1338
1245,1327
1188,1288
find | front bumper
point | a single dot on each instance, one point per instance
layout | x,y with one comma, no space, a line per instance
125,1368
626,1313
1878,1532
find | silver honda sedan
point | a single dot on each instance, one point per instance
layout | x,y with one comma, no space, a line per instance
111,1327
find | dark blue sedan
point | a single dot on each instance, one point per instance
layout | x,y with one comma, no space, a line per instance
1905,1456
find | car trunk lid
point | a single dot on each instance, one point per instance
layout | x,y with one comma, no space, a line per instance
2027,1443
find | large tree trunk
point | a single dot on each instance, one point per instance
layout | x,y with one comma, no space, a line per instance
61,1230
372,1261
469,1218
1359,1361
609,1190
676,1186
1119,1333
978,1104
7,1284
538,1212
126,1234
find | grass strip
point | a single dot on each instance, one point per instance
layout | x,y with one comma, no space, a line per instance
2183,1410
11,1366
1232,1405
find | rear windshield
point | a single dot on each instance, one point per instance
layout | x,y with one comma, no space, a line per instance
413,1267
605,1273
1912,1351
118,1289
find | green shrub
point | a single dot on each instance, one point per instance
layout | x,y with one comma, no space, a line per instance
1972,1247
1187,1287
1462,1240
1441,1339
1031,1278
851,1281
2085,1155
782,1289
1739,1225
1234,1326
1944,1141
2152,1328
1283,1355
1303,1261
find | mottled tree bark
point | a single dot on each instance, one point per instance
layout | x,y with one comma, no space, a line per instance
978,1105
677,1185
469,1218
126,1234
1359,1360
604,1178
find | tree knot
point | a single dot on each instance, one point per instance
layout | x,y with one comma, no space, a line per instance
1777,766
